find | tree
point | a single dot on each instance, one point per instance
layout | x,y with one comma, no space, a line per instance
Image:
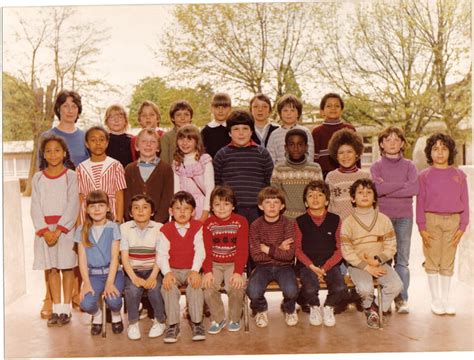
250,47
155,89
61,48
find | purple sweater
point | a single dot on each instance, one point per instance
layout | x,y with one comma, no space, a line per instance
396,181
442,191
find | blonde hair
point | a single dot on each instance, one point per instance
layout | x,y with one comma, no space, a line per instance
94,197
155,108
191,132
115,108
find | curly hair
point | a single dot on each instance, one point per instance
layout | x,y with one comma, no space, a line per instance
67,159
345,137
446,140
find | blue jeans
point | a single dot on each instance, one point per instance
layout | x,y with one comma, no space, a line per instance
90,302
403,228
310,286
284,275
133,295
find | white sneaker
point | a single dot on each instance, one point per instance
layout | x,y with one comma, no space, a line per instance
328,316
261,319
133,332
437,307
291,319
448,308
403,307
157,329
315,317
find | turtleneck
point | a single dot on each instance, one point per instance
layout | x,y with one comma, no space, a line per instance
352,169
365,215
297,165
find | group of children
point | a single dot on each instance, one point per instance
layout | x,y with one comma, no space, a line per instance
201,209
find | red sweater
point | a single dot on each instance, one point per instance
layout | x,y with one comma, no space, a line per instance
226,241
181,248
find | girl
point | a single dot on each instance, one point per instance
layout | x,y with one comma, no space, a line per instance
120,147
54,210
346,147
396,180
98,244
101,172
442,215
193,171
149,117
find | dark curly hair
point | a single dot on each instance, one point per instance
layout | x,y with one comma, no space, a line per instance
446,140
345,137
365,183
67,159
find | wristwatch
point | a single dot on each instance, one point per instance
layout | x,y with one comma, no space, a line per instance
378,259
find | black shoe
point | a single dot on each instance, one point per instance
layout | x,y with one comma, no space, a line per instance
117,327
96,329
53,320
306,308
64,319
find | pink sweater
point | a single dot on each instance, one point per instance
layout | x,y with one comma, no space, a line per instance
442,191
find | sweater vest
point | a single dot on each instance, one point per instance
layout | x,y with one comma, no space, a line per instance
181,247
318,242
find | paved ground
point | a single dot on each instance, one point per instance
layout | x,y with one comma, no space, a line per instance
26,335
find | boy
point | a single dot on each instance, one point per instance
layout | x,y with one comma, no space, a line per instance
396,180
180,257
226,242
331,108
215,135
292,176
149,117
138,248
181,113
149,176
261,108
318,252
243,165
368,242
273,251
290,109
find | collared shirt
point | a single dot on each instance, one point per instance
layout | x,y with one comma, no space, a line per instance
214,124
147,167
182,228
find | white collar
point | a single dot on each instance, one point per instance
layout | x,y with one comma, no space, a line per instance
214,124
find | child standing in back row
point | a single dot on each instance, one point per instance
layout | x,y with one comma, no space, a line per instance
261,108
442,215
120,143
215,134
193,170
396,180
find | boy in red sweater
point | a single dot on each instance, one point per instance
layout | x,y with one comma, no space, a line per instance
180,257
273,250
226,242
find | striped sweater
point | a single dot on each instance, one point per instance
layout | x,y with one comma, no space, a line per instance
246,169
141,245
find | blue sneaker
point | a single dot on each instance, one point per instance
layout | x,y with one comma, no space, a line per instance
234,326
216,328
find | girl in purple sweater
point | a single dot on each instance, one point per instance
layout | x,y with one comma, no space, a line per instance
396,181
442,215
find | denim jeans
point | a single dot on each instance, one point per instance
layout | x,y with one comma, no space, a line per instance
310,286
284,275
133,295
403,228
90,302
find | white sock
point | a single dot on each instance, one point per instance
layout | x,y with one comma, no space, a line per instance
116,317
66,308
97,317
57,308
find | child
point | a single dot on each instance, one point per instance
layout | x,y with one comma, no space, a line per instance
261,108
149,117
396,181
226,242
272,248
54,210
98,246
331,108
181,113
318,252
346,147
243,165
120,147
368,242
193,171
292,176
138,248
180,257
215,135
149,175
101,172
442,215
289,109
